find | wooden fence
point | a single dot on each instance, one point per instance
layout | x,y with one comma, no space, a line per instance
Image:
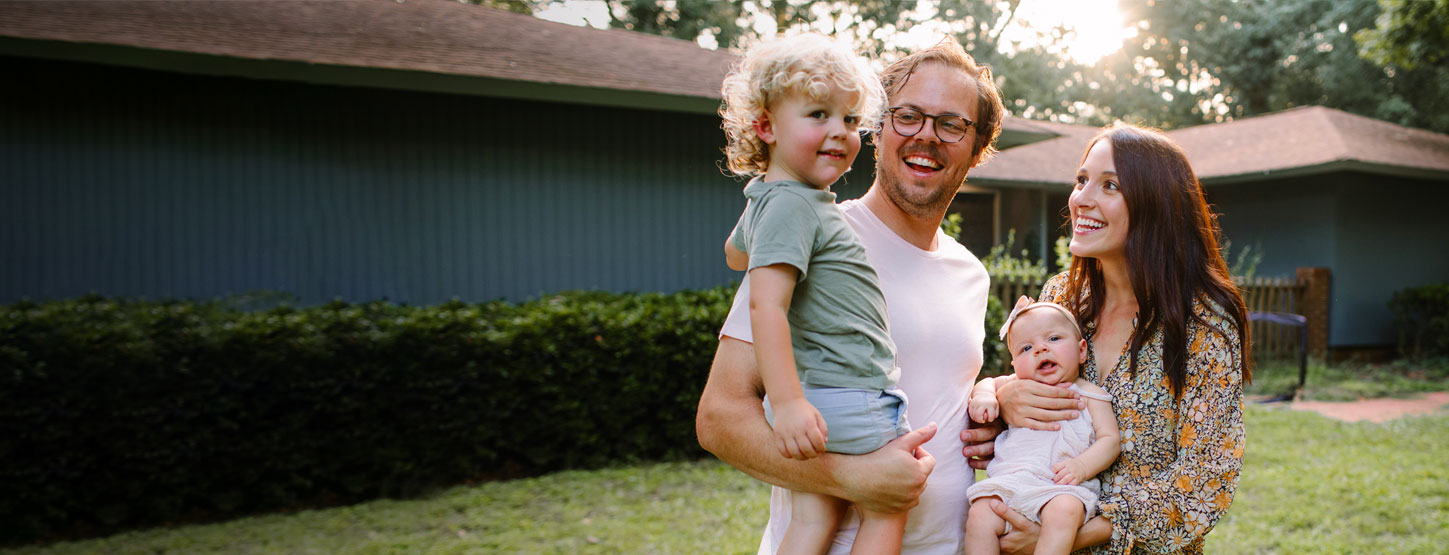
1262,294
1273,294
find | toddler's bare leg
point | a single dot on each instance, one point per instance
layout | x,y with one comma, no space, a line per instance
879,533
813,521
983,528
1060,519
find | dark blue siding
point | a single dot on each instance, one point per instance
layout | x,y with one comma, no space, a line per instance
137,183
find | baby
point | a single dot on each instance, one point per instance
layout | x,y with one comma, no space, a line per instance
1049,476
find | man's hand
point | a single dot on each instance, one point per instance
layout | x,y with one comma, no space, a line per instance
890,479
1024,533
980,440
1029,404
1070,472
800,431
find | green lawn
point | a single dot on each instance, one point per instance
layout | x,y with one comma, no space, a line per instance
1311,485
1352,381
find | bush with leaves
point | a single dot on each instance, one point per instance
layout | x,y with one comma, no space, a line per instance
120,414
1421,315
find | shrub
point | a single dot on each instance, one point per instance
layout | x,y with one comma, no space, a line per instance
119,414
996,360
1421,315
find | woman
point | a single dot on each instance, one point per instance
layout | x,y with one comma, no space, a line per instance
1168,338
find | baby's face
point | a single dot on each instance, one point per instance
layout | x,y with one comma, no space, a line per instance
1045,347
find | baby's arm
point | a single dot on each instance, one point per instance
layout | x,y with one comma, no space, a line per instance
799,429
1103,451
735,258
982,404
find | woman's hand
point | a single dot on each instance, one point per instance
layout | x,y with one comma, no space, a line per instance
1024,532
1029,404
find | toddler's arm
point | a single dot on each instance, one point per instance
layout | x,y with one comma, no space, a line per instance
799,429
982,404
736,259
1103,451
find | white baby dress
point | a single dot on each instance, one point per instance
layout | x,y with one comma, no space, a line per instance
1021,472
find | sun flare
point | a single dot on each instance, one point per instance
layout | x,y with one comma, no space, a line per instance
1096,26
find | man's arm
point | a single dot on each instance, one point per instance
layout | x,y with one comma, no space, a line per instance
731,424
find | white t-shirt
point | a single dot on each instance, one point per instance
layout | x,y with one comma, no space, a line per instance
936,301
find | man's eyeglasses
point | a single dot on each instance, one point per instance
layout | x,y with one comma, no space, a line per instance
908,121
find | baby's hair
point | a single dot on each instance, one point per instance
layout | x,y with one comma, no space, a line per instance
808,64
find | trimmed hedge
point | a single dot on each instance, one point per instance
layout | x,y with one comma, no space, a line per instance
121,414
1421,315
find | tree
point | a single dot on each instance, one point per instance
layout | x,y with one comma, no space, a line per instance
686,19
1214,60
730,23
515,6
1408,34
1191,63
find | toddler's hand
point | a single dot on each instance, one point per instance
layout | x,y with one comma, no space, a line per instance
799,429
982,408
1070,472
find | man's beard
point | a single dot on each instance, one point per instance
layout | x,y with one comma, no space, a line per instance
915,201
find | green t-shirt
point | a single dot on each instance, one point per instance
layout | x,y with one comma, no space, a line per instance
837,314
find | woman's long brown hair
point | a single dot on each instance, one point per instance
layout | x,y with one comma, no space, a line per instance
1172,251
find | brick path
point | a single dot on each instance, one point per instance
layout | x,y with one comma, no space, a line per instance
1376,410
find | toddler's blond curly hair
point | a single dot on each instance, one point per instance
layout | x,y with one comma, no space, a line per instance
808,64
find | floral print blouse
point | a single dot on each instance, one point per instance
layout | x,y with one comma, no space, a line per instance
1181,458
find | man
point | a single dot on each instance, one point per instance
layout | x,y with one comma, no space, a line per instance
945,114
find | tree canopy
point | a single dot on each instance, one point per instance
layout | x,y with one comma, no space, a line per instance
1190,62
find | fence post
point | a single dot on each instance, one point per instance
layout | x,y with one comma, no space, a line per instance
1316,297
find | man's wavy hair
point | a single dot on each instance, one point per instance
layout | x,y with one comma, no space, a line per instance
948,52
809,64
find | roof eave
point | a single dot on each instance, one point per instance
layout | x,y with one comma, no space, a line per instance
1329,167
1016,137
1013,183
350,76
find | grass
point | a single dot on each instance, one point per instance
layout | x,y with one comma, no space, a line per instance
1314,485
1351,381
1310,485
690,507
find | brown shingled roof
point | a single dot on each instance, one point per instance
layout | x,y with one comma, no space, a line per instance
1305,140
1049,162
440,36
1310,139
436,36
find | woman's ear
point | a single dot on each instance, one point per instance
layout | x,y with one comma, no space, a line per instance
764,129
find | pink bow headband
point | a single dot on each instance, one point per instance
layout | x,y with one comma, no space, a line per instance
1025,303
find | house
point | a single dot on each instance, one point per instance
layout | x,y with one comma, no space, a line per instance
1309,186
423,150
413,150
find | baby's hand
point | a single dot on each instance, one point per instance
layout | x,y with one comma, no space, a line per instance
982,408
799,429
1070,472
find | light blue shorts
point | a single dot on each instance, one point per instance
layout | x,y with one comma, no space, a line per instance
857,421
